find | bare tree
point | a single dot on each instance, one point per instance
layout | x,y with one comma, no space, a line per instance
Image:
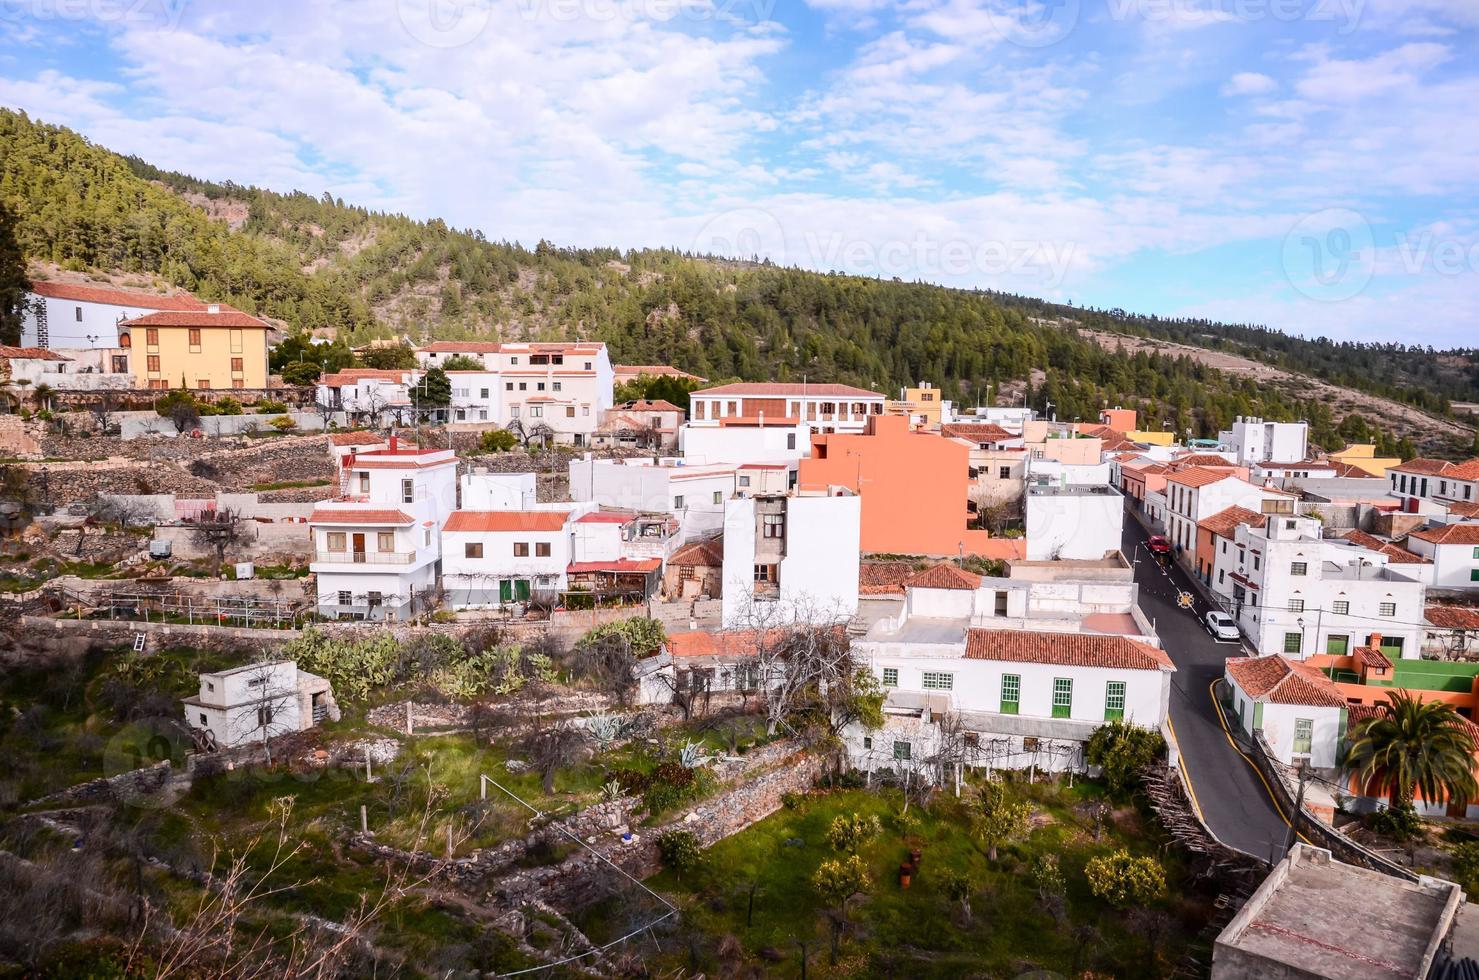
553,749
266,714
218,530
103,410
608,661
688,689
804,660
541,433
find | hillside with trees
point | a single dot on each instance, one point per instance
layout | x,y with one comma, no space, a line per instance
320,264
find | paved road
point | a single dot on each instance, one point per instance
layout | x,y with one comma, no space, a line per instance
1227,790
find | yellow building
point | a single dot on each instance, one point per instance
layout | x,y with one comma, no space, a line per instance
1152,438
213,348
922,405
1362,455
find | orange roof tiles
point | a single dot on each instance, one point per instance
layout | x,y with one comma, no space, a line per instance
506,520
1197,477
1277,681
605,517
643,405
1423,467
356,438
1467,470
30,354
1452,617
227,317
350,376
708,552
1465,534
347,515
1225,522
627,371
1203,459
462,347
971,432
771,388
884,577
1399,555
702,643
615,565
944,576
1065,649
115,296
1372,658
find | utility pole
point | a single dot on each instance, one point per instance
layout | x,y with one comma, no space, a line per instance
1304,775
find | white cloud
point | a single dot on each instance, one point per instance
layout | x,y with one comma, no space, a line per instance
1249,83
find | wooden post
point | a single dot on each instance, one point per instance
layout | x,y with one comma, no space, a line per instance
368,777
957,780
364,819
449,840
410,724
482,787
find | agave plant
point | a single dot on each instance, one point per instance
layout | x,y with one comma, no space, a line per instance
603,729
611,791
691,755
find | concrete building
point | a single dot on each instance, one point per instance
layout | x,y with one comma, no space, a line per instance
483,489
823,407
790,558
695,495
477,397
1436,486
1073,522
921,405
1196,493
80,321
1362,456
641,425
497,558
744,440
915,486
1252,440
1012,418
1298,709
696,569
27,367
1314,918
368,394
212,348
377,547
1296,593
255,702
1454,551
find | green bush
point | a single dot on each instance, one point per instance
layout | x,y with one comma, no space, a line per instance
269,407
497,441
645,635
1398,823
1122,750
1466,866
679,850
849,832
228,406
1123,880
283,423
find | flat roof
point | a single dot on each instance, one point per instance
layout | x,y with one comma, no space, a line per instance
1328,919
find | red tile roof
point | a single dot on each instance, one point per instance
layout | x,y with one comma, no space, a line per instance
605,517
1464,534
643,405
330,515
506,520
1203,459
1469,509
462,347
1225,522
30,354
199,318
708,552
1467,470
971,432
701,643
1372,658
356,438
762,389
884,577
1395,554
1065,649
1358,714
623,371
1452,617
619,565
115,296
350,376
1277,681
1197,477
1424,467
944,576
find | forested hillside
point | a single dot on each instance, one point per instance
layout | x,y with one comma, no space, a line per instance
317,263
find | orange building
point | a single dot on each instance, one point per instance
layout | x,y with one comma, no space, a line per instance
914,486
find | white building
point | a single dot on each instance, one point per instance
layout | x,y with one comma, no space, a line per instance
744,440
377,546
499,557
1454,551
694,494
790,558
491,490
1011,418
1300,712
477,396
255,702
1196,493
84,318
1437,486
1252,440
1073,522
369,393
1296,593
822,407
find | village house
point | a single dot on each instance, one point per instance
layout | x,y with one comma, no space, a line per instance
1453,550
790,558
822,407
641,424
694,494
696,570
1297,708
744,440
211,348
80,321
1196,493
1252,440
1073,521
921,405
256,702
497,558
374,395
1436,487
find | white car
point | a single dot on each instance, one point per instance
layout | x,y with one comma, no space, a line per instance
1222,626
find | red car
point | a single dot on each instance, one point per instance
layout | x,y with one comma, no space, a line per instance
1158,545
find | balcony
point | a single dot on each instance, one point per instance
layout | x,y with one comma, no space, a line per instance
364,557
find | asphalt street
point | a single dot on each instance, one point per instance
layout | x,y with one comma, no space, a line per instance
1226,789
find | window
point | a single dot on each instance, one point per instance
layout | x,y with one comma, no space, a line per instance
1340,607
1476,554
151,336
790,440
508,386
1298,568
557,386
264,716
513,412
1293,642
539,386
1114,700
523,386
1011,693
345,598
1474,575
236,363
153,361
1062,697
937,681
718,496
867,742
236,341
903,751
78,314
203,384
890,677
536,411
195,339
204,721
744,481
521,549
375,599
364,483
765,573
774,525
238,383
1337,645
678,502
385,541
1256,561
1387,609
472,549
1296,605
337,540
541,549
1304,732
514,361
1004,473
408,491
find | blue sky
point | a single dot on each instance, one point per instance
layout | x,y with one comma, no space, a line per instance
1308,164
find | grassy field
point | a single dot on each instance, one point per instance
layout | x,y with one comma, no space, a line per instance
919,931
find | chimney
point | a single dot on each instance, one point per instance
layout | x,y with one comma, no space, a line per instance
1375,643
761,415
394,442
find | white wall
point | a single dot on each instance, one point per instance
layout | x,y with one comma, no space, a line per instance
709,443
817,577
474,582
640,486
498,491
1073,525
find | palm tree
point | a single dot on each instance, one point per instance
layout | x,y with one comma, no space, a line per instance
42,393
1415,746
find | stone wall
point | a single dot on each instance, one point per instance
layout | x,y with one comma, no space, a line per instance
122,788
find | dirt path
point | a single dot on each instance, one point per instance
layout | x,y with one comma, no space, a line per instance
1423,428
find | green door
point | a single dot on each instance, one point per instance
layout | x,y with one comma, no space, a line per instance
506,590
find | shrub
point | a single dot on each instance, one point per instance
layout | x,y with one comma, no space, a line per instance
283,423
228,406
1047,877
680,850
643,634
849,833
270,407
497,441
1399,823
1466,866
791,801
838,880
1123,880
1122,750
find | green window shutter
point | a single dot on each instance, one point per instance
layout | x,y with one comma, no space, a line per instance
505,590
522,588
1011,693
1062,697
1114,700
1338,645
1257,716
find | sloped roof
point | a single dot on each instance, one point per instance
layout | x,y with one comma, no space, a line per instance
1424,467
350,376
703,643
1274,680
1065,649
651,370
944,576
227,317
772,388
1465,533
1373,658
462,347
656,405
116,296
605,517
1203,459
348,515
506,520
976,432
356,438
1396,554
708,552
1195,477
884,577
1452,617
30,354
1225,522
615,565
1467,470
